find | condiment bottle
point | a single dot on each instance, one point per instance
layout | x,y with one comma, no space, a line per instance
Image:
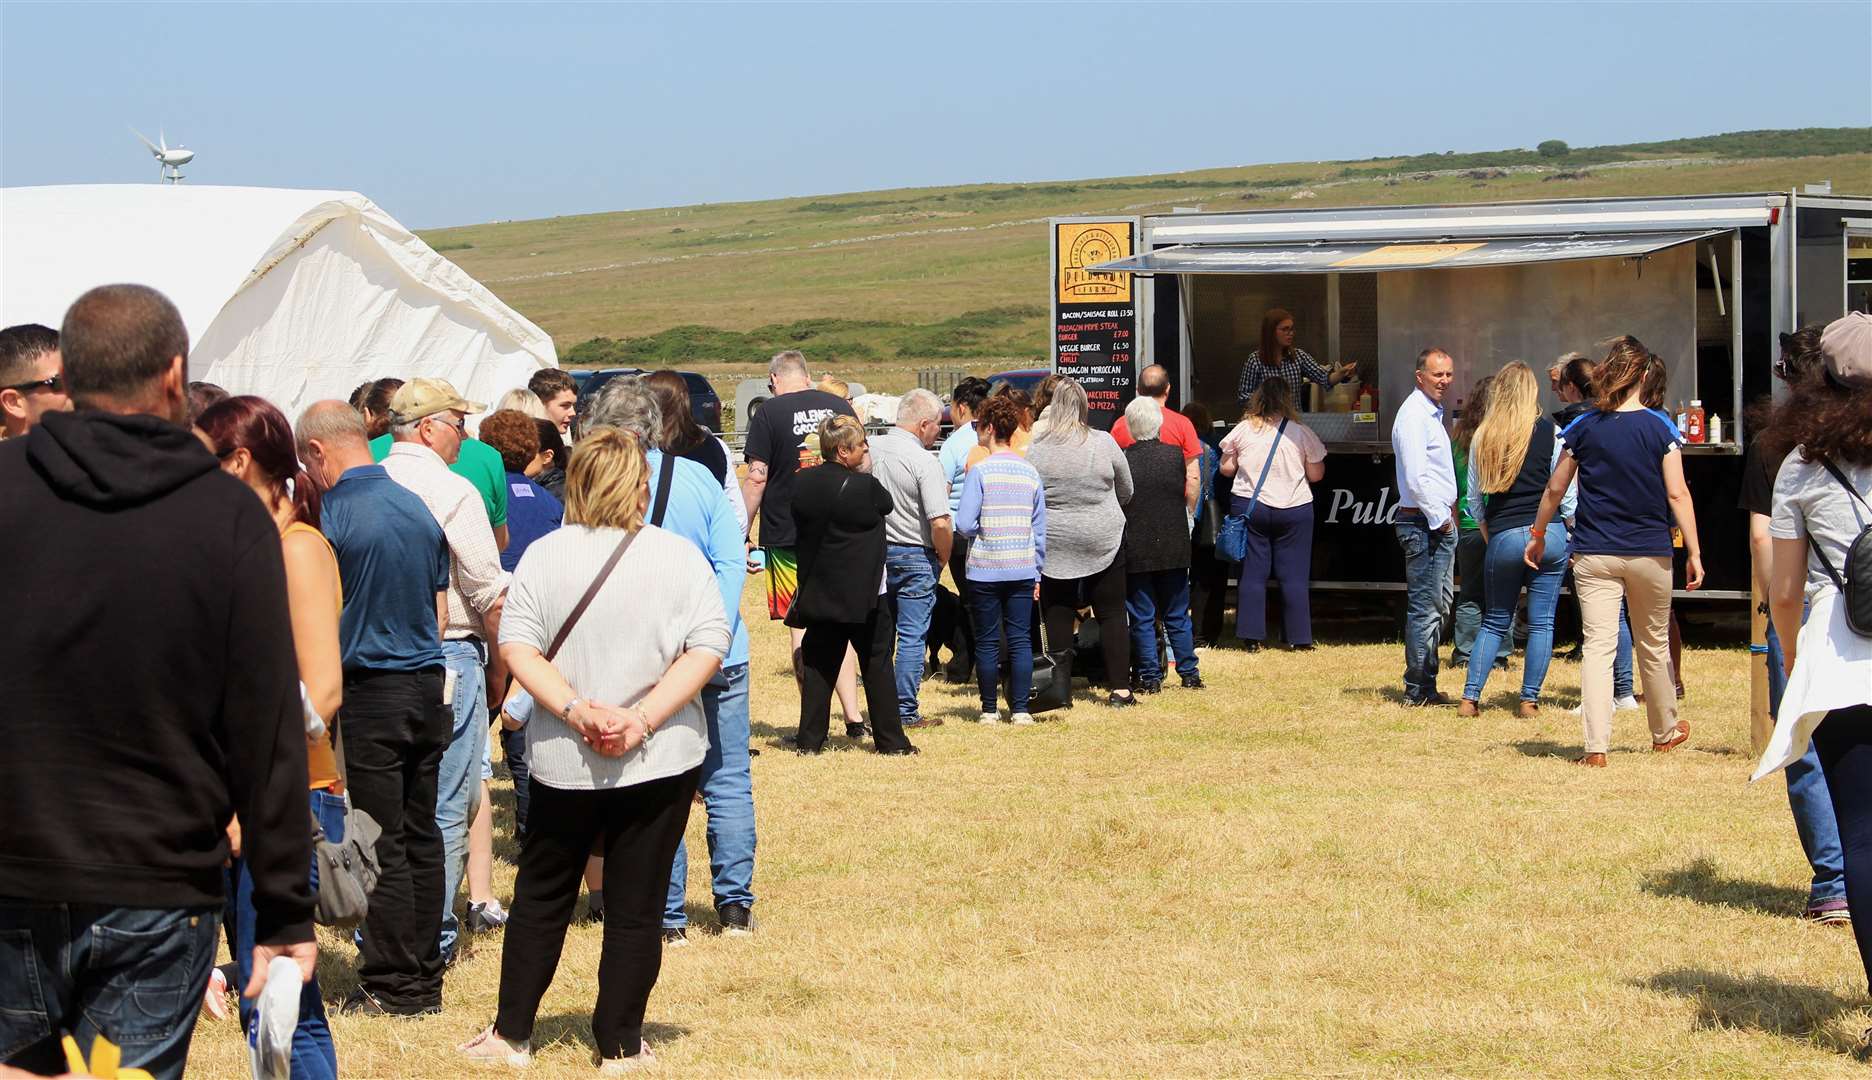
1715,428
1694,419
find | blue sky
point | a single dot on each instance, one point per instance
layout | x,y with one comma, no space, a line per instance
450,114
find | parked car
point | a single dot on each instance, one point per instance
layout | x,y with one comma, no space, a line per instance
1020,379
704,402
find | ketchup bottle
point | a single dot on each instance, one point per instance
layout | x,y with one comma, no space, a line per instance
1693,421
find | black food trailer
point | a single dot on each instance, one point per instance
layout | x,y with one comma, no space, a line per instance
1706,282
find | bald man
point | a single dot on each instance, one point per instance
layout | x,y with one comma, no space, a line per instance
1154,382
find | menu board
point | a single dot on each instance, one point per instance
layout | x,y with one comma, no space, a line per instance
1095,323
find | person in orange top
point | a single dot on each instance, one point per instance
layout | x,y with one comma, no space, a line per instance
255,444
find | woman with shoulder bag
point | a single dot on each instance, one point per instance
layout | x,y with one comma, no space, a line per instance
1274,458
1822,553
255,444
613,626
1509,459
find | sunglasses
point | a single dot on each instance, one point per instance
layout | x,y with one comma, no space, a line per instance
460,424
54,383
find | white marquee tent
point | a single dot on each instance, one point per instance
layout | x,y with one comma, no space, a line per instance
292,295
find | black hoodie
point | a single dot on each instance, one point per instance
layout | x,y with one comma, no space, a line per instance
151,688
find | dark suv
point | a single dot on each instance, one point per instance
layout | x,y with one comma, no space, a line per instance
704,402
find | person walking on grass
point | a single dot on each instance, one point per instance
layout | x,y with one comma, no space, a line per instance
254,444
917,535
152,696
1631,485
1157,548
842,605
1274,459
1003,515
1087,483
631,617
1808,798
1822,511
1426,522
1509,461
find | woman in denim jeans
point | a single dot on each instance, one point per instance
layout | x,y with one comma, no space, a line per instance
255,445
1510,461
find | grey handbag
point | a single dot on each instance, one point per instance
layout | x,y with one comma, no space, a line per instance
347,869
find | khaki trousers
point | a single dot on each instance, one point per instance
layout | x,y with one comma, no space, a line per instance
1644,583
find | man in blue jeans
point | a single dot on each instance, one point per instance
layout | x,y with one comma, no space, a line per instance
917,536
1425,521
152,695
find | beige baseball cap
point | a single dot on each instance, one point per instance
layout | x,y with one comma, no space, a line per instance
426,397
1847,345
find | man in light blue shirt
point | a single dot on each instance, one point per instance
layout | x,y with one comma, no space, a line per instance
953,457
1425,520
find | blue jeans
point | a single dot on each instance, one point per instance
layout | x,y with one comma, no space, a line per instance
727,788
1471,599
1621,660
1429,592
1165,594
1503,576
131,975
458,782
1011,604
910,574
1809,799
313,1057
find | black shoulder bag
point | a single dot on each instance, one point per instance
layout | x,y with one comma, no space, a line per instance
347,869
1855,584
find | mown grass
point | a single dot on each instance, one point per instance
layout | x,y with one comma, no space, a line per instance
1289,872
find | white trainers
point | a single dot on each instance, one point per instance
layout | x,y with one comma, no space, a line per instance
990,717
1625,704
622,1066
1023,718
488,1048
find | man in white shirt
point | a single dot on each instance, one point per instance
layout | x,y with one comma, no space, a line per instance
430,421
917,536
1425,522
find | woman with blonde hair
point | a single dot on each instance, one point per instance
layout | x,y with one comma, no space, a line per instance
522,400
1274,459
1471,543
613,626
1631,485
1511,457
839,509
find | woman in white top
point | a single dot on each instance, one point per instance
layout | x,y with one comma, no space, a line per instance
615,742
1280,531
1822,507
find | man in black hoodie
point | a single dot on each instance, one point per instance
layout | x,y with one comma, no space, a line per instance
152,694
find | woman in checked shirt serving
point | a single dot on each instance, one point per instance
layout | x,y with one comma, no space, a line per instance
1278,357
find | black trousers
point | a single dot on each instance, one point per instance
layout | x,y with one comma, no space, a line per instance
514,749
822,651
1060,601
963,660
1208,593
396,726
1843,742
636,829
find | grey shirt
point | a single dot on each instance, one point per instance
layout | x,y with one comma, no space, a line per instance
660,601
916,484
1087,484
1809,502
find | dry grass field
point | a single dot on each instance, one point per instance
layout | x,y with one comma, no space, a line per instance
1287,873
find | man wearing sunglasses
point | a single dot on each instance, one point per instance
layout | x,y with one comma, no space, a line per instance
430,424
32,378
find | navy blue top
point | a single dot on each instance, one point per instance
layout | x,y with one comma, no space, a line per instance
532,512
1622,506
392,559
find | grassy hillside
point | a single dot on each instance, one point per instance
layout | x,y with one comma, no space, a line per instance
881,283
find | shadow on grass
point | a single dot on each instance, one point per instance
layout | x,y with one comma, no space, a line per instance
1759,1003
1703,882
576,1027
1546,748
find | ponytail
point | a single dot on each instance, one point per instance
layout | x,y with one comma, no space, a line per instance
307,497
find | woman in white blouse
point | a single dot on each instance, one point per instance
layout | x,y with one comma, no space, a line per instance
615,743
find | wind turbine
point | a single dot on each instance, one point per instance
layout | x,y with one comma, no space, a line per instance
169,161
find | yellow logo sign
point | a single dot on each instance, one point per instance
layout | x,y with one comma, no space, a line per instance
1085,244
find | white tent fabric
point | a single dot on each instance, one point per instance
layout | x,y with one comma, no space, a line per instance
292,295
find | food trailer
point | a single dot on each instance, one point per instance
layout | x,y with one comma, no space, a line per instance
1706,282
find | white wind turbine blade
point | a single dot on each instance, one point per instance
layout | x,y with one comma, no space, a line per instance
145,139
162,139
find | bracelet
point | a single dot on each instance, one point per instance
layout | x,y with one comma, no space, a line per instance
565,714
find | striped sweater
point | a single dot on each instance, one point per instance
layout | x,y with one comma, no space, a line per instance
1004,511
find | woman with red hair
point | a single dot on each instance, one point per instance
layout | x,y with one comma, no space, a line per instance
255,445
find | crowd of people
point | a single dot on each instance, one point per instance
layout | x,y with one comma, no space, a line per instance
335,611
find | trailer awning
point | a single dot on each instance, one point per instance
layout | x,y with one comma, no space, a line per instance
1367,256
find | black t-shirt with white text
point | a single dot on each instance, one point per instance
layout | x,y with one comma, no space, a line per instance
785,435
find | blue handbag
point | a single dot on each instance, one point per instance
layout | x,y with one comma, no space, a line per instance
1232,538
